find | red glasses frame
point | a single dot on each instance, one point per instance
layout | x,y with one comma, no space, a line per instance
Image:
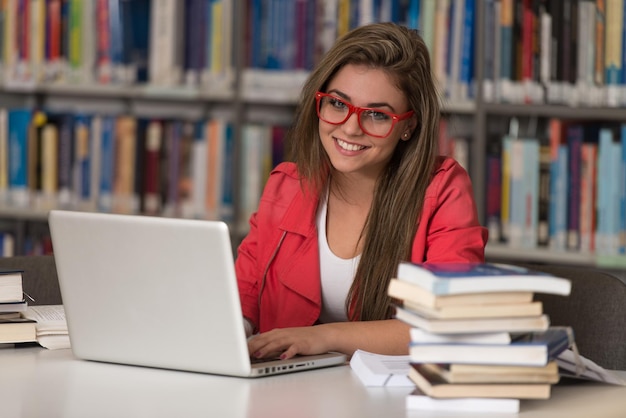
395,118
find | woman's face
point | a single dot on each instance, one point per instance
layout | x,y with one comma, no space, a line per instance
350,150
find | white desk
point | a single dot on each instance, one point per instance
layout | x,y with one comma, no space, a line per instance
35,382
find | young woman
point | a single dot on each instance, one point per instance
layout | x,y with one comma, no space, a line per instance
365,190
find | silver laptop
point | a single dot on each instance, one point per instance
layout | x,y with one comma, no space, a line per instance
156,292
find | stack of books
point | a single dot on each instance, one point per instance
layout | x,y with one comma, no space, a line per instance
478,340
14,328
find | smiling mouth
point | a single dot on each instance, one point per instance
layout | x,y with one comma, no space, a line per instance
349,147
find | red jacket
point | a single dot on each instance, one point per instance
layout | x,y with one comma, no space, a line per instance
280,253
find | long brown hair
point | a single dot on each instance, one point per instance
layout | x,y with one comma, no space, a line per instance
399,194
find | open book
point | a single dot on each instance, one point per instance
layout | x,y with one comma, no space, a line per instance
572,364
381,370
51,328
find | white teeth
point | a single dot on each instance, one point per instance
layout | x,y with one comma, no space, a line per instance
349,147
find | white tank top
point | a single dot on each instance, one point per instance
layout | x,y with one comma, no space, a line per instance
337,273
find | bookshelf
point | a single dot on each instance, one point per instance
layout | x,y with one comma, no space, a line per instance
257,93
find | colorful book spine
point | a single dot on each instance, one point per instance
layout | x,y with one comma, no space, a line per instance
574,137
505,207
506,49
599,41
467,51
558,186
613,49
152,194
427,23
543,212
199,172
413,14
107,164
82,172
489,51
75,35
4,155
588,179
19,121
227,206
605,204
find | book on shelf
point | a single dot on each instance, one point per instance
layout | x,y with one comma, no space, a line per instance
407,291
432,385
50,325
17,330
528,349
459,278
11,285
417,400
381,370
462,326
476,311
479,373
420,336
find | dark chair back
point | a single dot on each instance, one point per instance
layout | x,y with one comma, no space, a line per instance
595,309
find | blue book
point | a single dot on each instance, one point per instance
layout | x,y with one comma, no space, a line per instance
116,37
82,157
467,51
136,34
607,193
506,36
107,164
413,15
526,349
19,121
459,278
614,207
558,199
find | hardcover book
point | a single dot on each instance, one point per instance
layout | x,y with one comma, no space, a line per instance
11,285
19,306
457,278
529,349
434,386
478,373
462,326
17,330
406,291
476,311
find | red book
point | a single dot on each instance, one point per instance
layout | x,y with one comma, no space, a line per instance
53,31
152,194
103,59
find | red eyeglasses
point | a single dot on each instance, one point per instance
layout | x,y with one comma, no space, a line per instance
374,122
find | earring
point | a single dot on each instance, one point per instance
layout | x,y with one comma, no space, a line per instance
406,135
